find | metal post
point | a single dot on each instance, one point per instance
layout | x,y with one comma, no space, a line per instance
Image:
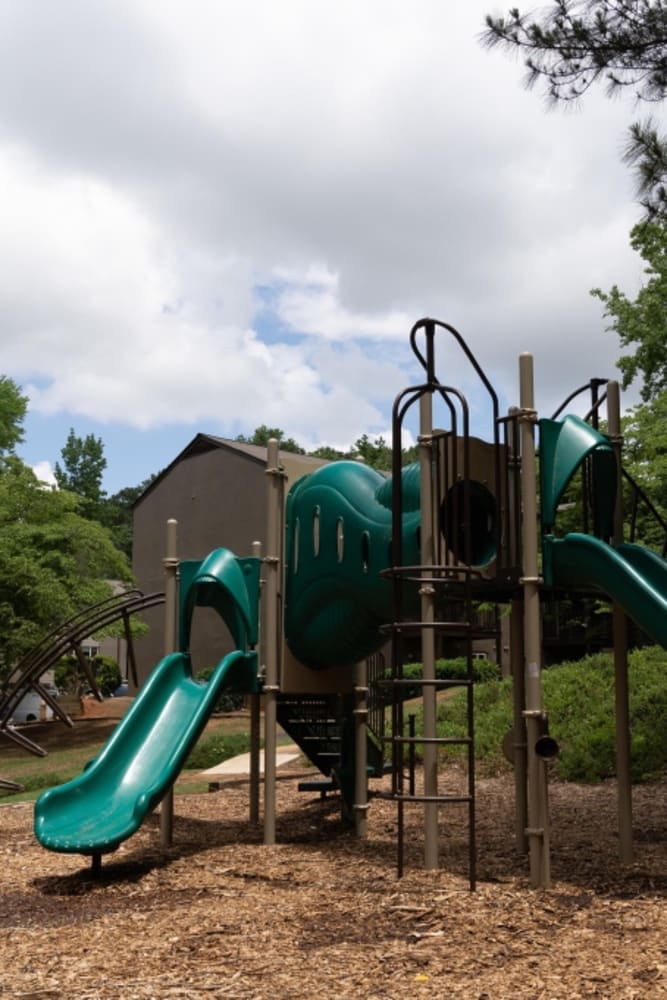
271,642
255,723
360,748
170,563
518,725
427,594
620,627
538,812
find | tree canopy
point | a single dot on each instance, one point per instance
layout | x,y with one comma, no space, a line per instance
53,562
13,408
573,44
82,470
641,324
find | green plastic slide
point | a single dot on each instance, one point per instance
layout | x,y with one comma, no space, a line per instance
96,811
632,575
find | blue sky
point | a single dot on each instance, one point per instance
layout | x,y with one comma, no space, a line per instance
220,215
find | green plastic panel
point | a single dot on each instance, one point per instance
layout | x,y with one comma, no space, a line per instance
339,525
227,584
106,804
564,445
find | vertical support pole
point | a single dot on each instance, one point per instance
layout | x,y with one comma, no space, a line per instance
427,595
538,809
170,563
360,749
255,722
271,643
620,632
518,725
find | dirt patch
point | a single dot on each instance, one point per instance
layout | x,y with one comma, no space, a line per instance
322,914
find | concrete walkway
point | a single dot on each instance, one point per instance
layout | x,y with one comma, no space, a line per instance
241,764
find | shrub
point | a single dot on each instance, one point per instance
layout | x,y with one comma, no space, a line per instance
213,749
450,670
229,699
579,699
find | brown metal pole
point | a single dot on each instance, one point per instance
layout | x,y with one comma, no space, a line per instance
170,563
360,748
255,725
427,595
273,564
620,632
518,726
538,818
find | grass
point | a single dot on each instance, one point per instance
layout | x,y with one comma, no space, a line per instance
224,737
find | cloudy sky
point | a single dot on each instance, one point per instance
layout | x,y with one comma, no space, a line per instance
217,214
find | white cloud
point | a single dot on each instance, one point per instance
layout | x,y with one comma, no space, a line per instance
44,473
229,214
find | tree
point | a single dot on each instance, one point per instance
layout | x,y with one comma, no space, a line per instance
53,562
642,324
13,407
81,473
261,437
116,513
577,43
645,458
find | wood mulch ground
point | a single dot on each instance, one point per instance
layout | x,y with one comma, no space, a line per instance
323,915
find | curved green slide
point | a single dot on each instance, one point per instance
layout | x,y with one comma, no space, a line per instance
633,576
96,811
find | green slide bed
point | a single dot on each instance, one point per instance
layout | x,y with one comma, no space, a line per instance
630,574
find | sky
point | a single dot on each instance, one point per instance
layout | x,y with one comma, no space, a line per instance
216,215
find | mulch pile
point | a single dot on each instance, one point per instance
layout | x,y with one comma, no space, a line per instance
322,915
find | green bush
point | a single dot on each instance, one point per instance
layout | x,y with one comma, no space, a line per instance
213,749
446,670
229,699
579,700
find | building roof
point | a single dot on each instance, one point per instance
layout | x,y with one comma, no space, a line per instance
203,443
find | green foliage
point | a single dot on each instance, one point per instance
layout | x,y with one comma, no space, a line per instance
450,670
13,408
263,434
116,513
53,562
107,674
579,699
229,700
214,749
572,44
82,470
642,324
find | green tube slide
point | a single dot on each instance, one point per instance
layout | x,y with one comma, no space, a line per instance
106,804
633,576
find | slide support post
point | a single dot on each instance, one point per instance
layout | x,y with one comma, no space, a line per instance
255,725
170,563
620,633
272,636
538,808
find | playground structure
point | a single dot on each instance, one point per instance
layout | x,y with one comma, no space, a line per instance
353,560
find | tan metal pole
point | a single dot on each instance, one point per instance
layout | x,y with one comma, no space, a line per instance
360,748
427,594
518,725
538,818
255,722
170,563
271,644
620,632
